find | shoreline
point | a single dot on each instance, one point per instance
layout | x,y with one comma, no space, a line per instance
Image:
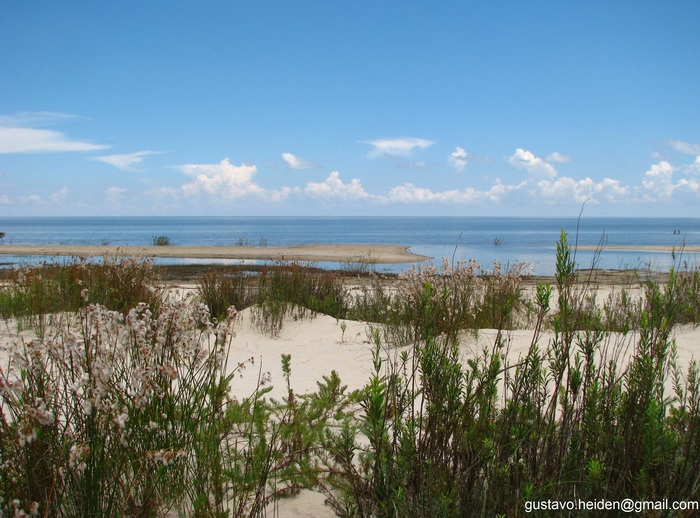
334,253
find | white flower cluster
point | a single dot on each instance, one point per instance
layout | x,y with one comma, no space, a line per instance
105,385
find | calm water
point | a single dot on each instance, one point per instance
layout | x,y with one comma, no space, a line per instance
531,240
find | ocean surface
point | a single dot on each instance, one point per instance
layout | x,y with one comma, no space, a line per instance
508,240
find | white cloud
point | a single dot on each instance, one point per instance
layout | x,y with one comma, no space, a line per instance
114,195
658,181
334,188
125,161
459,158
5,199
567,189
18,134
394,147
31,140
295,162
227,181
535,166
691,186
557,157
685,147
409,193
695,168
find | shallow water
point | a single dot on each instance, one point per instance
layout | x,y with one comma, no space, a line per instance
508,240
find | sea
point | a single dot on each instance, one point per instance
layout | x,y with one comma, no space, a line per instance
486,239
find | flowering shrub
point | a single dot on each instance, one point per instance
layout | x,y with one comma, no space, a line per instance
103,416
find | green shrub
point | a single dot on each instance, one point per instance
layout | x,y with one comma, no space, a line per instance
160,241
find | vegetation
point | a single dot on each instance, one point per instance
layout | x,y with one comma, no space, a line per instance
39,294
160,241
126,408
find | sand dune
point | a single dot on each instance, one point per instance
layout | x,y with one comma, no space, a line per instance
321,344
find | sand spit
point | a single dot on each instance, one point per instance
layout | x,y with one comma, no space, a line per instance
641,248
339,253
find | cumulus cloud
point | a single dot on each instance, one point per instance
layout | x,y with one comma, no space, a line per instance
295,162
688,185
685,147
5,199
567,189
227,181
334,188
396,147
658,181
409,193
19,134
127,161
535,166
459,158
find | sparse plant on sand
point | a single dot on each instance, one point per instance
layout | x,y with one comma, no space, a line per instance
160,241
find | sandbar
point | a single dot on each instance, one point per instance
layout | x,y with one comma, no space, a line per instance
334,253
642,248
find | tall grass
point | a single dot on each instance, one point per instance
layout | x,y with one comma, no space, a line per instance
36,293
432,301
281,290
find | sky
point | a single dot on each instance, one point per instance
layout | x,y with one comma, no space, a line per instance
274,108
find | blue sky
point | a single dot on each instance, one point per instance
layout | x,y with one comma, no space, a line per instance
350,108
